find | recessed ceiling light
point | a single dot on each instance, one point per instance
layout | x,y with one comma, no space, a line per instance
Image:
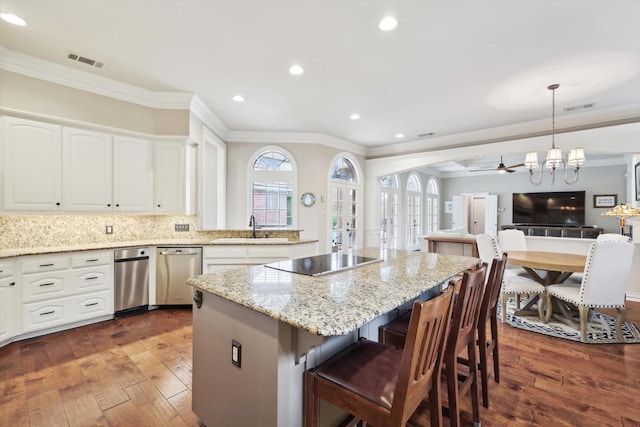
388,23
13,19
296,70
355,116
238,98
399,135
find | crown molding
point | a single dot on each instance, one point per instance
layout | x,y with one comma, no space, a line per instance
296,138
206,116
61,74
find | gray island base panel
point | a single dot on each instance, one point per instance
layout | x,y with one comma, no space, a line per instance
275,325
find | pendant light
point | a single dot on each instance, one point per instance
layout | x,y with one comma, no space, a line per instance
554,155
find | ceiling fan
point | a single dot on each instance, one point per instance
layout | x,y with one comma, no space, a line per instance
501,168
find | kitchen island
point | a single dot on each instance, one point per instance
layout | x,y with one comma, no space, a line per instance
257,329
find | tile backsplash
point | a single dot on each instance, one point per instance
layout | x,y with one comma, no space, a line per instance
25,231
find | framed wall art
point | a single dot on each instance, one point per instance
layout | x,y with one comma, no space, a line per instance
605,200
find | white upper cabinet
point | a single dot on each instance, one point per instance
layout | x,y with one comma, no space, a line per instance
32,163
132,174
169,176
87,174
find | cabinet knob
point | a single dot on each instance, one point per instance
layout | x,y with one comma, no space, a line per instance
109,205
57,203
158,205
12,283
117,205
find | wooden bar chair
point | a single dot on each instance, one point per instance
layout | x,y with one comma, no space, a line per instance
461,336
488,318
383,385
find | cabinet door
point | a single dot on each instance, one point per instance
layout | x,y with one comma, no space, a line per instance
169,176
132,175
9,304
87,176
32,160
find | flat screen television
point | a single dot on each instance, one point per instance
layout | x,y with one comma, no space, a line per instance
564,208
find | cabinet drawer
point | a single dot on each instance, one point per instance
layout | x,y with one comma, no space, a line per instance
90,259
269,252
91,279
46,314
45,264
45,285
6,269
93,305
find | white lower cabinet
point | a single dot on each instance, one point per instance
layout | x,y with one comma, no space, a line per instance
64,289
9,302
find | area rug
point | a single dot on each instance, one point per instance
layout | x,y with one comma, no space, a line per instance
601,328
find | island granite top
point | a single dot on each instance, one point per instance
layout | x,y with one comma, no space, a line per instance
340,302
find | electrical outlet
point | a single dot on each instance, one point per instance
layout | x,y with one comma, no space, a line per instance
109,229
182,227
236,353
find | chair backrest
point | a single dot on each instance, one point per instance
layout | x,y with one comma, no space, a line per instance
422,354
512,240
466,309
606,237
492,290
488,247
606,274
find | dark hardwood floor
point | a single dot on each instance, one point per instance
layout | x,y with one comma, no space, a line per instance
136,371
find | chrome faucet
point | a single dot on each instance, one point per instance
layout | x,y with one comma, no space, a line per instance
252,223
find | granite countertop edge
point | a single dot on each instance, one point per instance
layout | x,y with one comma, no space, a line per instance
43,250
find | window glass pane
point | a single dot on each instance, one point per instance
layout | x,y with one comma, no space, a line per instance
344,170
273,204
272,161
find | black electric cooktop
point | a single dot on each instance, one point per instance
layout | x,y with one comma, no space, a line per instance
322,264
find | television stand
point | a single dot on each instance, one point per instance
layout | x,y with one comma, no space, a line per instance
582,232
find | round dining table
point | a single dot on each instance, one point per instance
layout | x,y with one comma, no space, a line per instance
557,265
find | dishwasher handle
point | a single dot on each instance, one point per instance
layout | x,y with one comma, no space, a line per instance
178,253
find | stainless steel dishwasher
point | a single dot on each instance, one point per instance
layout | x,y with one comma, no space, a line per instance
131,280
174,265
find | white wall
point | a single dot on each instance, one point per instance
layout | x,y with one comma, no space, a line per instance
593,180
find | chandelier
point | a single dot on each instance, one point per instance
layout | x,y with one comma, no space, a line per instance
555,157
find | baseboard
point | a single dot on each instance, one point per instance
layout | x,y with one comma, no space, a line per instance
633,296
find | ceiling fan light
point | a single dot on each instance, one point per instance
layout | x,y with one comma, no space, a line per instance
531,160
576,157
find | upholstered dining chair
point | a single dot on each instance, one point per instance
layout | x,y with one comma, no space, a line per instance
515,282
603,284
512,240
383,385
605,237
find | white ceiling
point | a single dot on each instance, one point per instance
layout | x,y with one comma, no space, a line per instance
450,67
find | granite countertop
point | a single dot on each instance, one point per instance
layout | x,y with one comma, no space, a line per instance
336,303
41,250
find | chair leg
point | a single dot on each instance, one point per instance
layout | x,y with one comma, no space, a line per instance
435,401
542,302
482,350
473,373
496,356
622,312
504,308
311,401
584,318
548,307
451,369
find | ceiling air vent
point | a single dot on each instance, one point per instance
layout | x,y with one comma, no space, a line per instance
579,107
84,60
422,135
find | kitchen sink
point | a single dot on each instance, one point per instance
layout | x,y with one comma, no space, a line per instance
251,240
